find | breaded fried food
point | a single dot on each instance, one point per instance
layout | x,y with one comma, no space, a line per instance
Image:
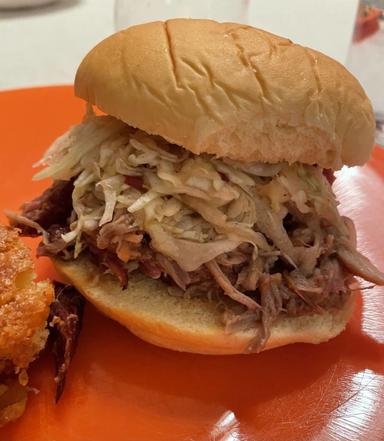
24,310
24,304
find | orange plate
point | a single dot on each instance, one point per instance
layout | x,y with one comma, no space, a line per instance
122,389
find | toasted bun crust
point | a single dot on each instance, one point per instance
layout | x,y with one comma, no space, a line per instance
232,91
190,325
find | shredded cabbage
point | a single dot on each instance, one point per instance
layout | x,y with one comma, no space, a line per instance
143,200
111,188
194,208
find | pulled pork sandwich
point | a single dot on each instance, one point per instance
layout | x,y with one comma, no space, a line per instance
24,311
199,211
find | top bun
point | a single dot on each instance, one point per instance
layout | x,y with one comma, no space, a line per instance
232,91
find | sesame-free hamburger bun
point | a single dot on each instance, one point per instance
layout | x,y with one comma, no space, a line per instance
190,324
232,91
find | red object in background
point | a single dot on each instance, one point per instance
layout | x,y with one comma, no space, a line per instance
367,25
120,388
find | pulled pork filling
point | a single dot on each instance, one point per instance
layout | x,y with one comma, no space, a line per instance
268,236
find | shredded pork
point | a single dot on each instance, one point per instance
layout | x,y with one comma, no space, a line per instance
267,236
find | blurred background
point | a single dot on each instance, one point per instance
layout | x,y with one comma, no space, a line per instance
43,41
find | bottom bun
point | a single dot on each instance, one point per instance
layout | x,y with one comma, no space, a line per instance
189,324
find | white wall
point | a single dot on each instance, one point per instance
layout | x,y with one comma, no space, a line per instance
45,45
325,25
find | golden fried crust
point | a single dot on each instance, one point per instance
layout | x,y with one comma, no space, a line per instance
24,304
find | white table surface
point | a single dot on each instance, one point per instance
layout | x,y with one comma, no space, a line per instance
45,45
